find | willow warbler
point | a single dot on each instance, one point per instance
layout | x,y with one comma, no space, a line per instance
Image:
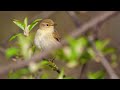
46,36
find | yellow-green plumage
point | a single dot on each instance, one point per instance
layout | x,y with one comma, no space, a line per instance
46,38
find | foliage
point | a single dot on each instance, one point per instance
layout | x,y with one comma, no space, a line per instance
25,27
18,74
96,75
10,52
78,52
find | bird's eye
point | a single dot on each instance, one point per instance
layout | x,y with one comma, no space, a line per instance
47,25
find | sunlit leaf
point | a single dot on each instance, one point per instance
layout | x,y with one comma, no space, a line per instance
18,74
44,62
44,76
91,52
83,41
109,50
72,64
10,52
61,75
14,36
67,52
25,46
101,44
25,21
96,75
85,57
33,24
71,41
33,67
19,24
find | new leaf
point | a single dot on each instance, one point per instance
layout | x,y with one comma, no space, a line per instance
33,24
19,24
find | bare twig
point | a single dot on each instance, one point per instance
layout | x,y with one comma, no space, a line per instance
54,67
82,70
103,60
93,22
77,24
96,28
74,18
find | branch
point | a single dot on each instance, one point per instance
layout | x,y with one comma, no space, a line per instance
77,23
95,21
74,17
103,60
54,67
85,27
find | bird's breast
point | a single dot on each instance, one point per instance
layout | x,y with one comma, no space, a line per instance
45,40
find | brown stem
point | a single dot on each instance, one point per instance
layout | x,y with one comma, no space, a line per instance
103,60
85,27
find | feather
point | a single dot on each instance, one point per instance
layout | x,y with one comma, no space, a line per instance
56,36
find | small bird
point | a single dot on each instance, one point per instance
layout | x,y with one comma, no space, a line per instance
46,36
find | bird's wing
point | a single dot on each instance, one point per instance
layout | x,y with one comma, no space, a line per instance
56,36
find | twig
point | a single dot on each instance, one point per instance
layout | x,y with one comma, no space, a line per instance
82,70
77,22
96,28
93,22
54,67
75,18
103,60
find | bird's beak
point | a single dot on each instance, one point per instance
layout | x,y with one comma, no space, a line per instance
54,24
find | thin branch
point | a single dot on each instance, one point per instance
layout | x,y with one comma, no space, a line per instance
96,29
74,17
82,70
54,67
93,22
103,60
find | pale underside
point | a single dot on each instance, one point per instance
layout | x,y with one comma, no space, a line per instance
44,40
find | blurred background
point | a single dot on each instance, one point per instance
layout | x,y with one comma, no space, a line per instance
65,24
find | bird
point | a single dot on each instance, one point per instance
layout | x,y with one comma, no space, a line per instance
47,36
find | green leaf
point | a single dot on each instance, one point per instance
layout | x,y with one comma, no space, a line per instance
14,36
71,41
44,62
25,21
85,57
25,46
96,75
91,52
101,44
19,24
33,24
109,50
61,75
18,74
10,52
44,76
